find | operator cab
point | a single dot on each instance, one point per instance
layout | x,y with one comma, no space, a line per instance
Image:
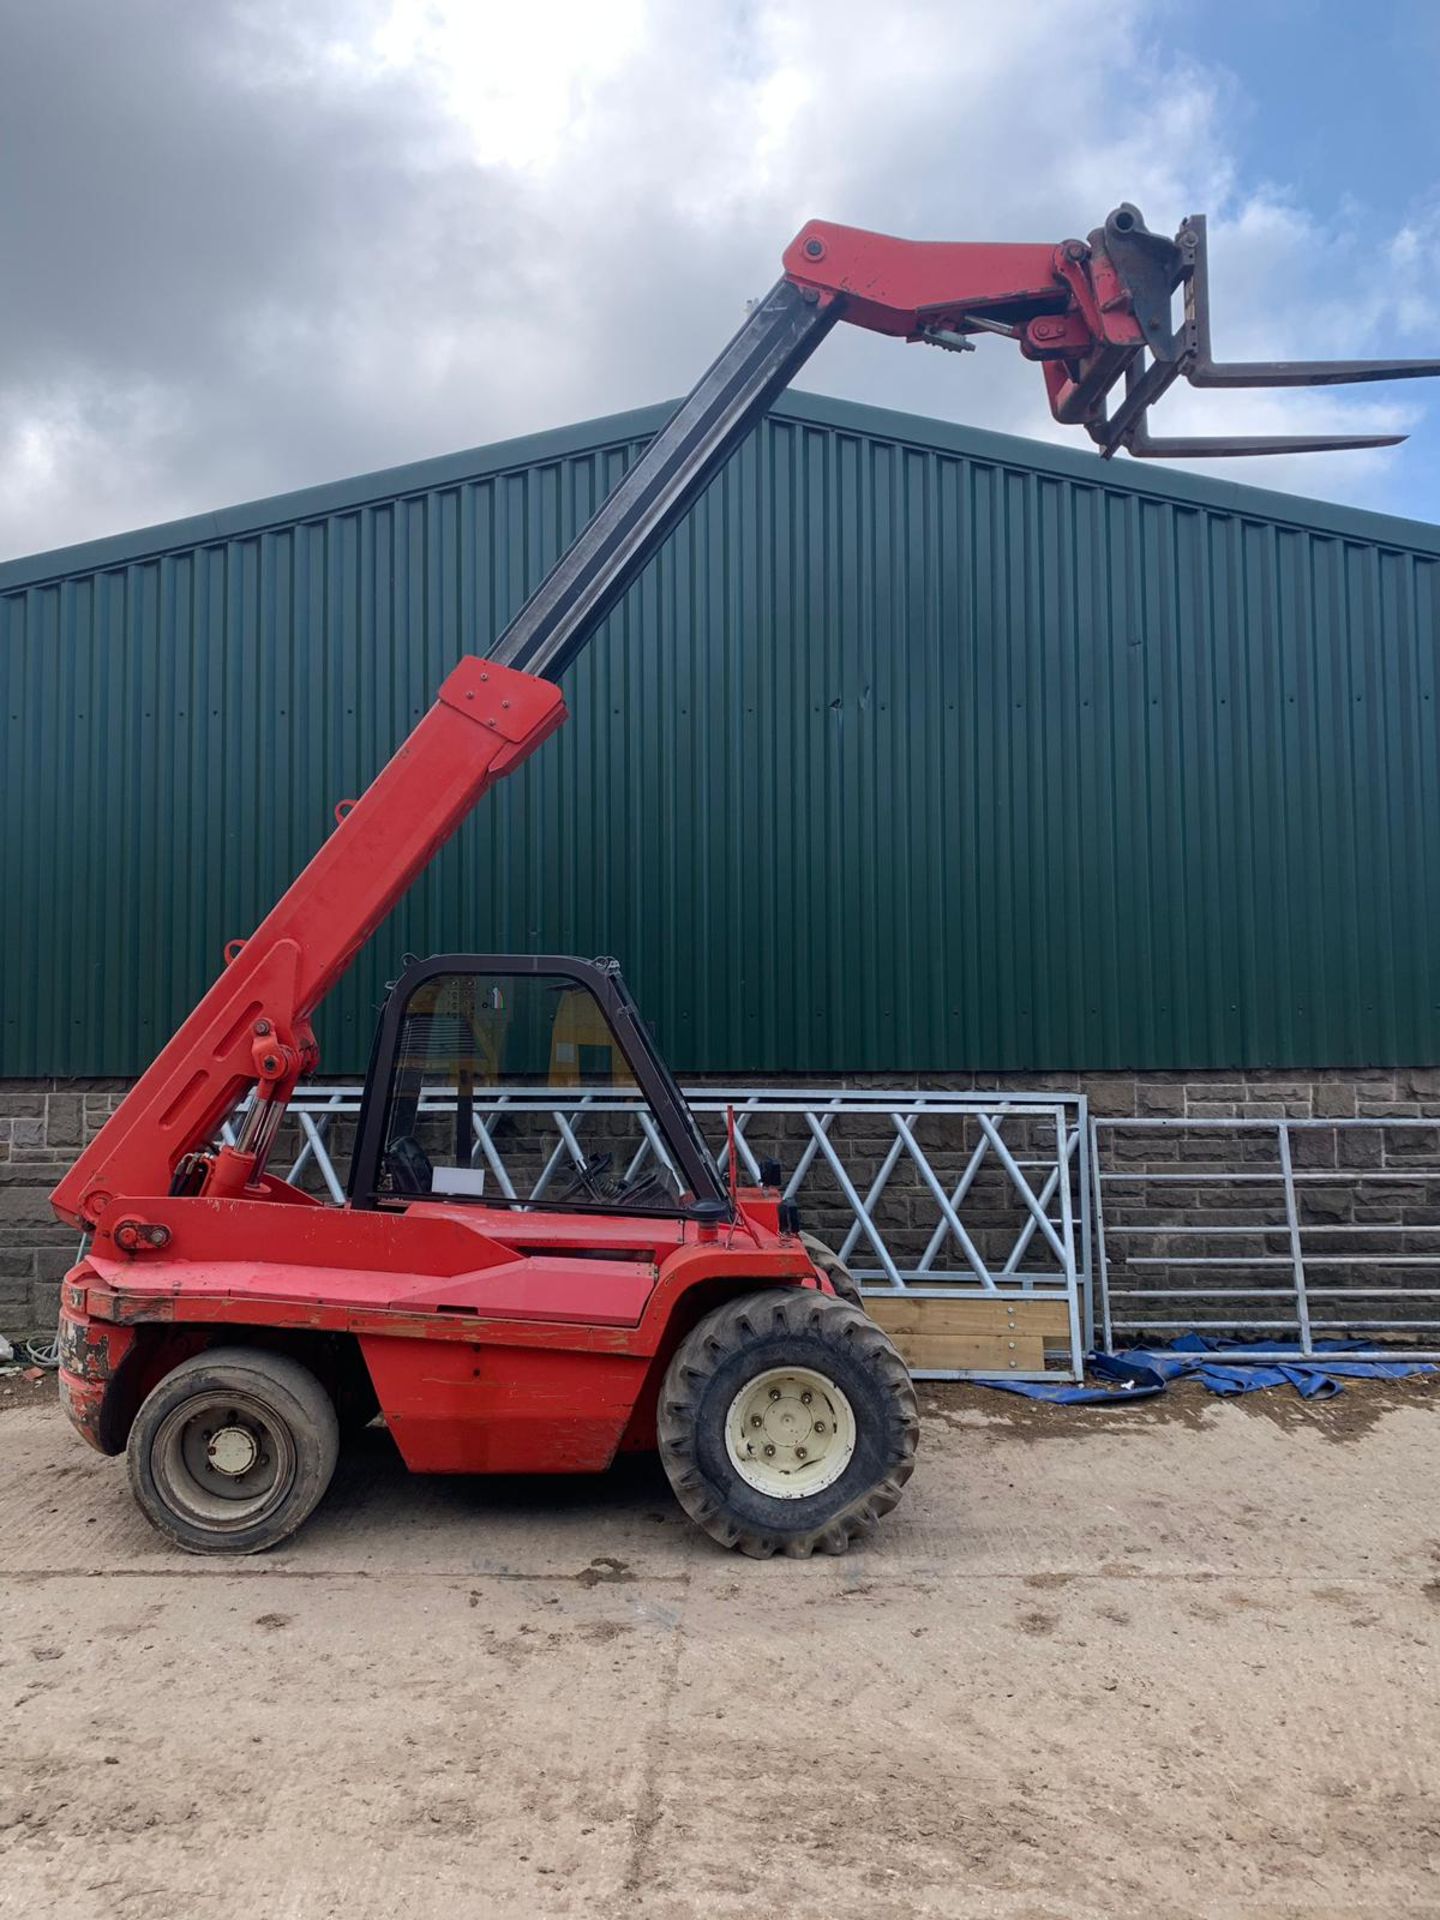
525,1081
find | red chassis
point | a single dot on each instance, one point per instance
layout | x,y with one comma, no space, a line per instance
222,1322
495,1343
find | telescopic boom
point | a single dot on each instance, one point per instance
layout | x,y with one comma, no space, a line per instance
1093,314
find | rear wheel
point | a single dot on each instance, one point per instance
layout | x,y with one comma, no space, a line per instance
787,1424
232,1450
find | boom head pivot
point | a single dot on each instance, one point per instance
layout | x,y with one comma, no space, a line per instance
1097,314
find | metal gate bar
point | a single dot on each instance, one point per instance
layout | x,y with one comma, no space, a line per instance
1220,1283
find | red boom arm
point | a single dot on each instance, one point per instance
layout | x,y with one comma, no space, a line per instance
253,1026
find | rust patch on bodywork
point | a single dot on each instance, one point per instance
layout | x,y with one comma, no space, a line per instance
91,1354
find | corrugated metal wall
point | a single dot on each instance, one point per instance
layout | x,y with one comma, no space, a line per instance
915,749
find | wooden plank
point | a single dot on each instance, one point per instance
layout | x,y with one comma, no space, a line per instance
984,1353
977,1316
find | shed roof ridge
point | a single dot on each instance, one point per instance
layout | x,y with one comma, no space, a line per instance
351,493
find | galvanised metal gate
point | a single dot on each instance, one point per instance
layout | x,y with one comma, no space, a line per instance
925,1195
1278,1233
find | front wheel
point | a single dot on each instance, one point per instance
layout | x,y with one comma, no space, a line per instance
232,1450
825,1260
787,1423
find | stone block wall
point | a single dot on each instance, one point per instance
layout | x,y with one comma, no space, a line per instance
44,1122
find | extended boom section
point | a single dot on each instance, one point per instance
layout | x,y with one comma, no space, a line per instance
781,333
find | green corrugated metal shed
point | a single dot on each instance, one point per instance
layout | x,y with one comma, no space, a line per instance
915,749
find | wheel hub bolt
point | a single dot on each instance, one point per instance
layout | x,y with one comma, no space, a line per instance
819,1426
756,1420
769,1453
800,1453
774,1393
806,1397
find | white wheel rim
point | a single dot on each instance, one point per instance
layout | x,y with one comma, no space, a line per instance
790,1433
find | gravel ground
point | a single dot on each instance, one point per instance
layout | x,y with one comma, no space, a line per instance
1171,1660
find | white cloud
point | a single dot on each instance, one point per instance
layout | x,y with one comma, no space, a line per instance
256,248
517,80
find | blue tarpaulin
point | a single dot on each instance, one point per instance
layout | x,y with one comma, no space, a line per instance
1140,1373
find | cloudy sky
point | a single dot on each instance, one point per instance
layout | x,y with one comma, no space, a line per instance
248,246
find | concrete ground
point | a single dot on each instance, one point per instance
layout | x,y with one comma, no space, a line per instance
1170,1660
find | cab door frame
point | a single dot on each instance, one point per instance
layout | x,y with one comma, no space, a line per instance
602,978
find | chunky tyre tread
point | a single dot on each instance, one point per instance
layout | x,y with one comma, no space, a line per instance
745,1323
828,1262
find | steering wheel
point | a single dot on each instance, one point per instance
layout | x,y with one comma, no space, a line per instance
587,1180
408,1165
594,1179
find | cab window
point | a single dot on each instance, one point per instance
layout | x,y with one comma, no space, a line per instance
514,1089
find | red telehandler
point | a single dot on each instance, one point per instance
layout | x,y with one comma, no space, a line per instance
222,1325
